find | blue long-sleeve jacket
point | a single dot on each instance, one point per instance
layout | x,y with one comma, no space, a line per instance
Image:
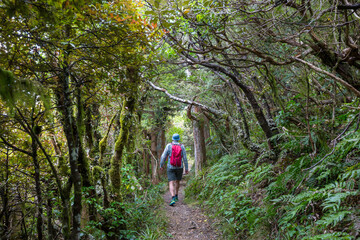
167,153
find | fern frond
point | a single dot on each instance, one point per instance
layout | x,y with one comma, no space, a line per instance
330,236
332,218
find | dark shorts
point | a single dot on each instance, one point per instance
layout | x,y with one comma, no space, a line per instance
174,174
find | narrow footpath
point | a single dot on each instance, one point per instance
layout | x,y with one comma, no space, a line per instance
187,222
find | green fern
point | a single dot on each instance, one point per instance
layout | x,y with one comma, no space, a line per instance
330,236
332,218
149,234
334,201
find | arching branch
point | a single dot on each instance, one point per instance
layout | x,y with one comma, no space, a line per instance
336,78
354,6
245,140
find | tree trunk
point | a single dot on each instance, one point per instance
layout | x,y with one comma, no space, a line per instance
331,59
146,155
39,212
65,212
89,142
5,200
206,130
161,146
64,103
24,232
84,167
154,172
126,117
145,162
50,227
199,141
95,124
130,148
64,193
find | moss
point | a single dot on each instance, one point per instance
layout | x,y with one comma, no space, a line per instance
102,147
84,169
63,167
98,173
115,177
103,141
116,161
126,118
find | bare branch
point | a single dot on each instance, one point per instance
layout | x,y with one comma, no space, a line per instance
336,78
354,6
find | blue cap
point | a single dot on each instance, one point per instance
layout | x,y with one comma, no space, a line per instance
176,137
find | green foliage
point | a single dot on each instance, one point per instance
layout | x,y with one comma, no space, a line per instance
148,234
14,91
254,201
332,218
98,173
228,188
141,215
6,80
330,236
174,130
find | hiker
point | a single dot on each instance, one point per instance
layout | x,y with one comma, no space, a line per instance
175,166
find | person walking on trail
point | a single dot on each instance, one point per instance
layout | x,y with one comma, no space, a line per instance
176,155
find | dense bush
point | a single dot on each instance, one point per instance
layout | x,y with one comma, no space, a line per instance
140,212
292,199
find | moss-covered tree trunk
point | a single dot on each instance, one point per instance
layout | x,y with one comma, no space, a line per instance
84,166
95,124
126,118
89,141
66,213
64,103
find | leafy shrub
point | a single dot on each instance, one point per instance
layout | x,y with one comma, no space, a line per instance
137,213
226,189
305,198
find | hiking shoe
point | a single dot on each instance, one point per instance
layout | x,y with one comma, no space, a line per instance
176,199
172,203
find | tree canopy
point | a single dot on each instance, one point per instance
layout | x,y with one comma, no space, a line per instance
267,94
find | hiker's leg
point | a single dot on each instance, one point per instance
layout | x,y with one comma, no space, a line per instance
179,173
172,188
177,187
171,178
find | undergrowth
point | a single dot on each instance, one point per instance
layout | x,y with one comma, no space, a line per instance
142,215
296,198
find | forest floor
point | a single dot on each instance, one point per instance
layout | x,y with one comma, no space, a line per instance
187,222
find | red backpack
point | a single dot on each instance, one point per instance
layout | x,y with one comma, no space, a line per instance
175,159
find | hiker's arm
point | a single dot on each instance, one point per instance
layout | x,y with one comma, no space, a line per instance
164,156
185,158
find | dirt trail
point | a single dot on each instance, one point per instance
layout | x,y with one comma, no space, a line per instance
187,222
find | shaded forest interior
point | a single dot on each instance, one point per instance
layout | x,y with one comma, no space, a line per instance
264,94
